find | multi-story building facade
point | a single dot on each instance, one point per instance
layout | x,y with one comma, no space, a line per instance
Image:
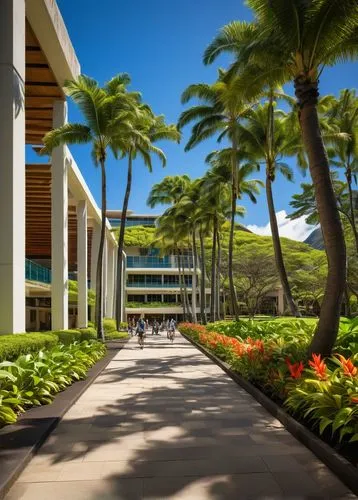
152,281
49,220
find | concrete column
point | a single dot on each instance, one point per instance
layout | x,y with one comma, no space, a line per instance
59,227
110,280
280,302
12,166
96,236
104,276
82,306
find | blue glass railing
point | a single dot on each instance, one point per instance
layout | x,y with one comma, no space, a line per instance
36,272
134,261
155,285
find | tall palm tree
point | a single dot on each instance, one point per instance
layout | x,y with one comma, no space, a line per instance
107,119
146,130
293,40
268,135
172,233
221,108
217,181
342,115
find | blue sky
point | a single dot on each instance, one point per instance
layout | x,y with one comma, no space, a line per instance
160,44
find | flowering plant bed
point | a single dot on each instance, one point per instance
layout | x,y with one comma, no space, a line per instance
321,393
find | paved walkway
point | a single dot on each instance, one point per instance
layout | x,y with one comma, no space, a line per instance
166,422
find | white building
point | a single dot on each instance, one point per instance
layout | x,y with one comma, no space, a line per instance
48,218
152,286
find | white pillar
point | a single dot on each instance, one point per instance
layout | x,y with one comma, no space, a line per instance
12,166
104,276
96,236
82,305
59,227
110,280
280,302
114,305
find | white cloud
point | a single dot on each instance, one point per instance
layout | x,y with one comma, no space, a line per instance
295,229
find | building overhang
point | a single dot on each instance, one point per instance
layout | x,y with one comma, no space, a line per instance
49,28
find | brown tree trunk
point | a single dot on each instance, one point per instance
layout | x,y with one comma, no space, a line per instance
202,279
213,274
327,328
235,307
119,295
99,273
280,265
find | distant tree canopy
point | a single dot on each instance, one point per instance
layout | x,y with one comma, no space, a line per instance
306,267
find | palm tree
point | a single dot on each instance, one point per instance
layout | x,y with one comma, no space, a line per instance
168,191
342,115
146,130
172,234
107,120
217,181
294,40
268,136
218,114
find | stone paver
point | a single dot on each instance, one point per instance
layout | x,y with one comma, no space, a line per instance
166,422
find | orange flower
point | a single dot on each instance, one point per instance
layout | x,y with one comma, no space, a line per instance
348,367
295,369
354,399
319,366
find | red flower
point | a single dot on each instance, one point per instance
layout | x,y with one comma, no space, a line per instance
354,399
348,367
319,366
295,369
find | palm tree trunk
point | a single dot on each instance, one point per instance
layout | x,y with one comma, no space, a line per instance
213,274
351,206
218,271
193,293
119,295
327,328
99,273
202,279
181,287
280,265
233,296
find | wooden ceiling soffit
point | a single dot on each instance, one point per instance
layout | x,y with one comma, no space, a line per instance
41,90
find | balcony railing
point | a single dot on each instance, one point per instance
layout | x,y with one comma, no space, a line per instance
134,261
36,272
155,285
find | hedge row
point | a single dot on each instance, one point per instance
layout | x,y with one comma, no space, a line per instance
12,346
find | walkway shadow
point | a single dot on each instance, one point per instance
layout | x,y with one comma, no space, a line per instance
182,427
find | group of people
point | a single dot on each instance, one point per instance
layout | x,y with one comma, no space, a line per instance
142,326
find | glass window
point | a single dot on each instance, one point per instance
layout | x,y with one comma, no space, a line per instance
153,297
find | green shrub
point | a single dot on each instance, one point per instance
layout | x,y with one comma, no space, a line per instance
116,335
109,325
34,379
12,346
123,325
68,337
88,333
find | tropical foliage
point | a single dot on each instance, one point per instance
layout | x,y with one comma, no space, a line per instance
34,379
273,355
